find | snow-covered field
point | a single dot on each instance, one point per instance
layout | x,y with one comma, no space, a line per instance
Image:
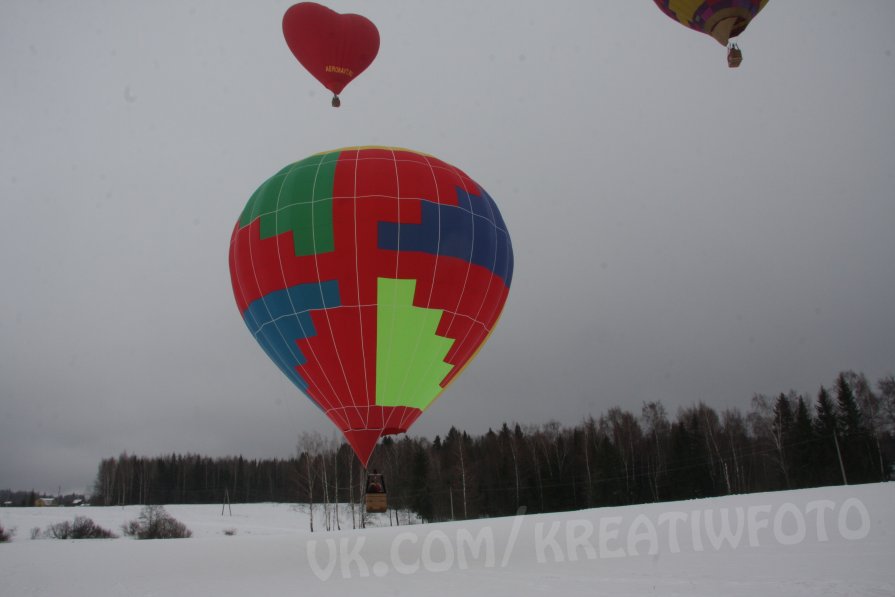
826,541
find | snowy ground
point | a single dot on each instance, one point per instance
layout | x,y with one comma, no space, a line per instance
827,541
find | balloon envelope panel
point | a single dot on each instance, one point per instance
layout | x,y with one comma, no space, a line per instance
722,19
371,276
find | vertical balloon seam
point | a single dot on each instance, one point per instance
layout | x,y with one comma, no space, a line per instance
477,320
320,393
437,192
354,400
323,308
381,373
394,305
434,273
437,200
497,239
427,367
338,160
326,314
326,308
431,292
494,315
419,332
258,332
461,342
381,378
320,390
335,405
318,396
371,402
255,333
360,305
501,237
263,297
493,222
378,307
471,260
457,310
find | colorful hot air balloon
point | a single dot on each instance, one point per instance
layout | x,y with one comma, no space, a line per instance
721,19
333,47
371,276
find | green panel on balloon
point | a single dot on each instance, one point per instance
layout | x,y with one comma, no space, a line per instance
409,355
298,198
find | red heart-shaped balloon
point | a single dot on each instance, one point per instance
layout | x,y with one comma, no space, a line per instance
333,47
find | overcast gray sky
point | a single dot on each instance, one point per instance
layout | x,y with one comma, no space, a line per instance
682,231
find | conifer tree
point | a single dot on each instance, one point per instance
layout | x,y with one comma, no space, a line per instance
782,427
803,444
826,427
850,420
859,452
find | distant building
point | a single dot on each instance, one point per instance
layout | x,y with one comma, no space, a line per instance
45,501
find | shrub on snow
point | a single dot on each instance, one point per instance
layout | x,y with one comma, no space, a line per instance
81,528
154,522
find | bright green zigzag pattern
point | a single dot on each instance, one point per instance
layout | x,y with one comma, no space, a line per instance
409,355
298,198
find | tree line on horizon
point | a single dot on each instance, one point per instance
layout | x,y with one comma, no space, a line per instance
844,434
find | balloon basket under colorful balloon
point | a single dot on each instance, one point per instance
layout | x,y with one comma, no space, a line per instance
375,498
734,56
376,503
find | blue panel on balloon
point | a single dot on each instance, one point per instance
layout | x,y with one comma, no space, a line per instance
472,230
282,317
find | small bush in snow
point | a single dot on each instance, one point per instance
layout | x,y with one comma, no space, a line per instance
229,532
5,535
154,522
81,528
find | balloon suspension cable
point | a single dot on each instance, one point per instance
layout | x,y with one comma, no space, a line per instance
336,101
